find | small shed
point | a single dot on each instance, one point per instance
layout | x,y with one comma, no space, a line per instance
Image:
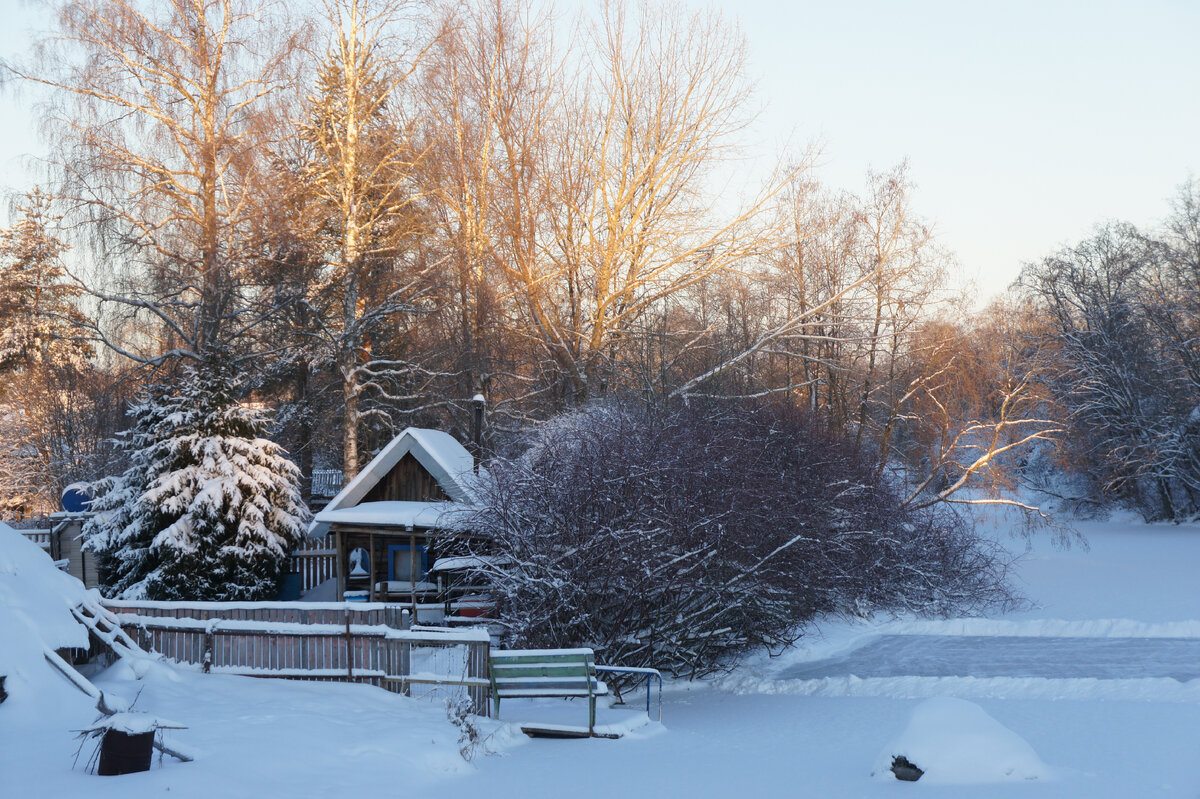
381,522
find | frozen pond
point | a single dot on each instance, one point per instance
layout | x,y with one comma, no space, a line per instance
1000,656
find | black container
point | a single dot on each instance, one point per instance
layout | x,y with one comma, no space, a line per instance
125,754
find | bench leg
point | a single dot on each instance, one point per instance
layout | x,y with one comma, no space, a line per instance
591,715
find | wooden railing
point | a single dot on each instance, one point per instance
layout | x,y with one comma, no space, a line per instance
361,613
39,537
315,561
302,641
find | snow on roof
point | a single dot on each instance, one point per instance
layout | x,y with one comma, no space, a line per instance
460,562
35,615
390,514
439,453
445,449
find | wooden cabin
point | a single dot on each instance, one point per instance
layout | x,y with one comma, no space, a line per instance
380,523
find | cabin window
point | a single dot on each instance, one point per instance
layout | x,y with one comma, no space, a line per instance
406,564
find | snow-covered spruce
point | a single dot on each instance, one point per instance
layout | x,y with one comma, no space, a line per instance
678,538
208,508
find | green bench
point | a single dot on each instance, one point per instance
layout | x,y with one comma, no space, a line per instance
536,673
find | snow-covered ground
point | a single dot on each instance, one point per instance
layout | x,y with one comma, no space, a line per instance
1092,693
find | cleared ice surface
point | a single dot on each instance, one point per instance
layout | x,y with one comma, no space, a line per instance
1010,656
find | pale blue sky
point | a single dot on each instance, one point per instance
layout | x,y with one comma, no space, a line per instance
1025,123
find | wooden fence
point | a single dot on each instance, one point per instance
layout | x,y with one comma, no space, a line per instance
315,561
300,641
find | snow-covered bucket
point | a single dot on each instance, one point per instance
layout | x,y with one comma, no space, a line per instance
125,753
126,741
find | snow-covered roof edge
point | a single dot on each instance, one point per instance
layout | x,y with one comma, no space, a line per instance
451,465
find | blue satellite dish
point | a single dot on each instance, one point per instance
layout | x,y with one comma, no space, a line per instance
76,498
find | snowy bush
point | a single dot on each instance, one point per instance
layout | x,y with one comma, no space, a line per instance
676,538
208,508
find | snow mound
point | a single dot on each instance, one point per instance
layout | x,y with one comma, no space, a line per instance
956,742
35,614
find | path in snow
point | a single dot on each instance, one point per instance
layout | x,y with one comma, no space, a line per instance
1010,656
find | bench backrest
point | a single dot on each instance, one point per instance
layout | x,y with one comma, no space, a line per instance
522,671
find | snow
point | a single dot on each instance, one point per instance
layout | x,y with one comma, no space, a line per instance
133,723
460,562
452,456
208,606
956,742
389,513
1054,715
460,634
35,615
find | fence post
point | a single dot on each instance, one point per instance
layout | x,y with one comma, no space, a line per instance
349,648
405,666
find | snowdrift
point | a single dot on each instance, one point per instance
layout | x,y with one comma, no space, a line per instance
36,600
956,742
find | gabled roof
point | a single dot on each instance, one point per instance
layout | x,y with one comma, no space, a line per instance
438,453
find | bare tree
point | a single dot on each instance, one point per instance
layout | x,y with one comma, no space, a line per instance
490,89
1122,356
640,222
581,189
157,127
360,178
850,277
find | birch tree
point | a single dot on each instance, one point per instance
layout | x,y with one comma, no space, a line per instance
585,179
850,277
157,126
663,99
490,89
361,179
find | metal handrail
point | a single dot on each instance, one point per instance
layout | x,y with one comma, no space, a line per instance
649,674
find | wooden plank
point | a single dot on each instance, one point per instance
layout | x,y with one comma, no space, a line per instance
565,682
514,659
563,731
547,692
339,566
371,587
460,681
540,671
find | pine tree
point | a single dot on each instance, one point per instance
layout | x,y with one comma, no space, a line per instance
38,317
208,509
